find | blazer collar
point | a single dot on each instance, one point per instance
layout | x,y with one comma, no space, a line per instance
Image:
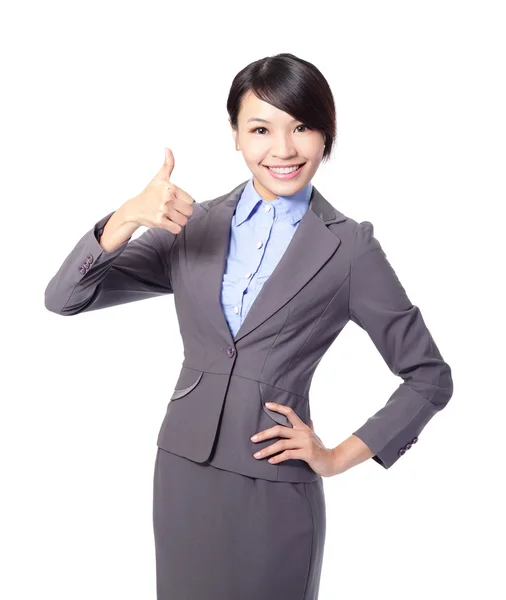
206,243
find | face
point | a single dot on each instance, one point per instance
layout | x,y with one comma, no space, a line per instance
267,136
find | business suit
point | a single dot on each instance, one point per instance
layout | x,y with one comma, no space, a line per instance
333,271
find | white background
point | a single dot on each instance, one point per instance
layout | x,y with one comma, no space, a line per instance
92,92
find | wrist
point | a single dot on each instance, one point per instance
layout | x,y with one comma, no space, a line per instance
350,452
119,228
338,460
127,213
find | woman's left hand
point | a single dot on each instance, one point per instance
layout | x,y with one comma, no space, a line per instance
299,441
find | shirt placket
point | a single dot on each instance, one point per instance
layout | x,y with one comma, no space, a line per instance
263,222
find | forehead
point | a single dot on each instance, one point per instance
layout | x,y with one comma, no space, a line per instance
252,106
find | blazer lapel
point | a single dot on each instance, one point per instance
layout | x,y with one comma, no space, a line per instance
206,256
311,246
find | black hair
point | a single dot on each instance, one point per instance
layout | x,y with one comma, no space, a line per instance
294,86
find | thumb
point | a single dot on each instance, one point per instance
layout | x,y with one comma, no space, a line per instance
168,165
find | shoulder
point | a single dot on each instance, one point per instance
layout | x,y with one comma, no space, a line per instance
364,238
348,229
352,232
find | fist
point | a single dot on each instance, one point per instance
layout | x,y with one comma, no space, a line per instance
162,204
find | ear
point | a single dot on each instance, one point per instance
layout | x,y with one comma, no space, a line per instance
234,135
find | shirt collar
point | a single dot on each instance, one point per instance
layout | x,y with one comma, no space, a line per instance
291,208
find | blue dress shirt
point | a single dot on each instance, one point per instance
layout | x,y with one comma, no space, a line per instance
259,234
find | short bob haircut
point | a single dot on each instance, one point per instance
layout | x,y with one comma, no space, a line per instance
294,86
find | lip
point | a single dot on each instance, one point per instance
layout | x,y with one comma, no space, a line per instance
284,166
286,176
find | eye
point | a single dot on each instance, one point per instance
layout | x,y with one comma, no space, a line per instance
257,128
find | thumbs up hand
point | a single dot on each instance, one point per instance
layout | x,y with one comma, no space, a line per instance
162,204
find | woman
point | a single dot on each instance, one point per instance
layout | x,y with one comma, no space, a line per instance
264,279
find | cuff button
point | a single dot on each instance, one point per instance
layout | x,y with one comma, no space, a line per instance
414,440
402,451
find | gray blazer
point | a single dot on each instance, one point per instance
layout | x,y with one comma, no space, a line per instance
333,271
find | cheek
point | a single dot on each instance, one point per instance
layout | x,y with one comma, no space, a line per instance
253,157
314,146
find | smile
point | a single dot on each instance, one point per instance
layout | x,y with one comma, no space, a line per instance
285,172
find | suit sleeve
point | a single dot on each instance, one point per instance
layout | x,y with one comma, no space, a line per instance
91,278
379,304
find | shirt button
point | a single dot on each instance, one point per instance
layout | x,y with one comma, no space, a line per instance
236,309
230,352
267,207
260,244
248,275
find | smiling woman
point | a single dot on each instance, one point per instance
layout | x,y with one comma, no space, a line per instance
264,279
282,113
247,525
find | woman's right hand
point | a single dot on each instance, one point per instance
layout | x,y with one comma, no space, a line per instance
162,203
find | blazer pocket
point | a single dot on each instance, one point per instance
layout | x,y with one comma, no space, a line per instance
188,380
299,404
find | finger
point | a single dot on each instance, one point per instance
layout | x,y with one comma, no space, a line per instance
291,453
181,201
275,431
169,225
172,213
291,415
185,197
276,447
168,166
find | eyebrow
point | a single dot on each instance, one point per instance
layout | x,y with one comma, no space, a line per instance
264,120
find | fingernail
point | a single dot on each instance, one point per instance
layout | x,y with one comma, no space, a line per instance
255,437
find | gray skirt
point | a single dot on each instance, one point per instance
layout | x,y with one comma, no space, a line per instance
223,535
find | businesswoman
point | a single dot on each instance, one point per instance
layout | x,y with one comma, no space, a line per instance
264,279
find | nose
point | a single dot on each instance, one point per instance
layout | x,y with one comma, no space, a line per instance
283,147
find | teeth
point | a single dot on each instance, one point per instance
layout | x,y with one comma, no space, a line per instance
284,169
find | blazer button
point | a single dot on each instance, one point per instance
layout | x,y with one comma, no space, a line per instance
82,270
89,258
402,451
230,352
414,440
408,446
